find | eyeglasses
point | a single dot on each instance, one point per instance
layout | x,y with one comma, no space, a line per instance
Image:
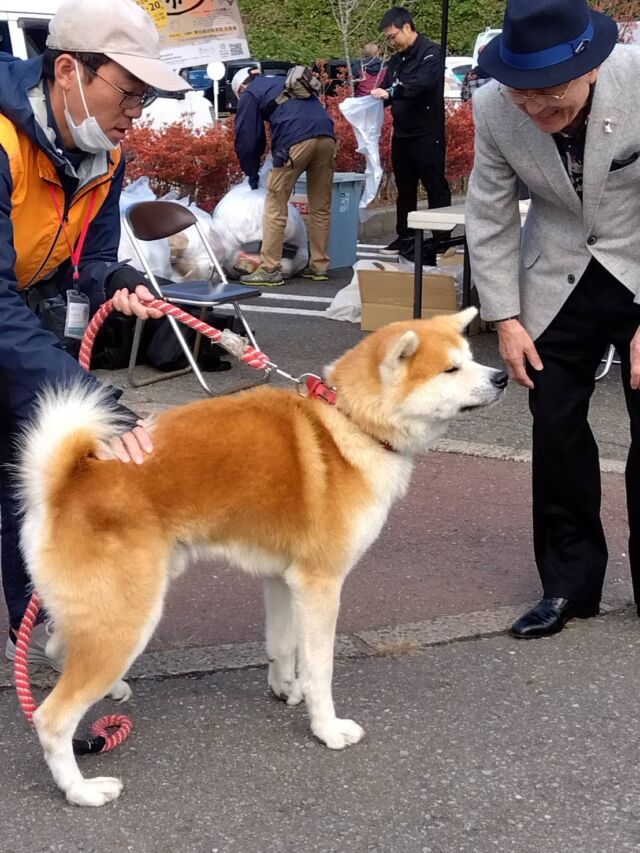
130,100
521,96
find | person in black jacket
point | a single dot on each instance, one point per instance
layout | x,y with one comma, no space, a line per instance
413,88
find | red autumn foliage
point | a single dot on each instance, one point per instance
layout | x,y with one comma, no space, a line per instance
460,134
199,163
203,165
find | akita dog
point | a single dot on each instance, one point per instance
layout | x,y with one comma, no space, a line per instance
285,487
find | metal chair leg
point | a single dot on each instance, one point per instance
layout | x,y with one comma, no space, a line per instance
133,380
608,361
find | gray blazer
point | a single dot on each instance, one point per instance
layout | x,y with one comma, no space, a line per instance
531,271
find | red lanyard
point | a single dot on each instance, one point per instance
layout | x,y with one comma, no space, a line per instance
75,255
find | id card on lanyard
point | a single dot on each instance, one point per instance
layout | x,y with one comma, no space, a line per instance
77,317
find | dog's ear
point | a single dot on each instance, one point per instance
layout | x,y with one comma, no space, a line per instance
462,319
398,350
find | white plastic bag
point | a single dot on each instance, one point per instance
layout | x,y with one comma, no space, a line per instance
237,220
366,115
189,258
156,252
138,190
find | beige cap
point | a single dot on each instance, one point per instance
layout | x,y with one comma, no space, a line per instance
121,30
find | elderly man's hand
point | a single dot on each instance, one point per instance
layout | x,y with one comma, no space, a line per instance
516,349
380,94
635,361
132,304
131,446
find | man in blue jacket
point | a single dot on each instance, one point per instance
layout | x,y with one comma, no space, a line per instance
302,140
62,117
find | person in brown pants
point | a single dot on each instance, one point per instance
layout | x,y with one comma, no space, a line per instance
302,140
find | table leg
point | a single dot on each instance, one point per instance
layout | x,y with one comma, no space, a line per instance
466,277
417,276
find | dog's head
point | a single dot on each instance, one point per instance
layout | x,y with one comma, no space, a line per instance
406,381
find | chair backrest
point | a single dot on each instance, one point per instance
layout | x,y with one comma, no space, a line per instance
153,220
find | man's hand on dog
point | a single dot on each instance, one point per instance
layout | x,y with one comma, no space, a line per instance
516,349
132,446
132,304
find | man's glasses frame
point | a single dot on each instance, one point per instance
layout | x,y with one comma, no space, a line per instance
130,100
521,96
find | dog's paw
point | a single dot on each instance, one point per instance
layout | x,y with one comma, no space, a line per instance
338,733
120,692
94,792
288,691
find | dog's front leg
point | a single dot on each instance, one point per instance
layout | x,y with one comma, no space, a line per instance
281,641
316,604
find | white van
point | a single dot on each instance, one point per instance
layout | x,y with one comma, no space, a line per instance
24,25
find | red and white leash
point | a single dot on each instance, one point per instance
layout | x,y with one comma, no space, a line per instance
110,731
235,344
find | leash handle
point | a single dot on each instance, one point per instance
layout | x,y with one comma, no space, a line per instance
249,354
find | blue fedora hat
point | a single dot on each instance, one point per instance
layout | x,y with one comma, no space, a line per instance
548,42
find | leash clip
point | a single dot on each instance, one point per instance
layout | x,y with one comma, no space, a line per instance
311,385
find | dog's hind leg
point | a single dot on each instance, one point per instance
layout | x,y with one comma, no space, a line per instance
316,604
94,665
281,641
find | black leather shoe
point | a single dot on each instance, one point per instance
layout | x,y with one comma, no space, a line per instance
549,616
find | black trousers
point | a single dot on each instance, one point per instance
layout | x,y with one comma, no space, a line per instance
569,542
15,580
418,159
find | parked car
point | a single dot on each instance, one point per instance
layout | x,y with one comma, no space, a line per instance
459,65
455,69
24,25
482,39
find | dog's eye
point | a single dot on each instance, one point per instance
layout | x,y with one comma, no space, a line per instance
452,370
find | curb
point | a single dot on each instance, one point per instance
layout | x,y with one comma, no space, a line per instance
397,641
508,454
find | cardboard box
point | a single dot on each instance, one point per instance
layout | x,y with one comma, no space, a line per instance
387,296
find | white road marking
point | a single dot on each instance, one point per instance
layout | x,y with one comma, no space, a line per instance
293,297
302,312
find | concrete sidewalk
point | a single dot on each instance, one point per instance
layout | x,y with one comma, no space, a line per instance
473,746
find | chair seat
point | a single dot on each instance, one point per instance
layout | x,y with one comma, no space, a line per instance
204,292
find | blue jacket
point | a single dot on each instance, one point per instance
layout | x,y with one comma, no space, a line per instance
31,356
294,121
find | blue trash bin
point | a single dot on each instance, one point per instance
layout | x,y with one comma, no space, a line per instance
345,199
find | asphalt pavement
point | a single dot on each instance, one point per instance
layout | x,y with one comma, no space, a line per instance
474,741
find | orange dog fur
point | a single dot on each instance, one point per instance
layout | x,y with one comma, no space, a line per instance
287,488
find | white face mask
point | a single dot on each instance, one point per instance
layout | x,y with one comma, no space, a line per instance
88,135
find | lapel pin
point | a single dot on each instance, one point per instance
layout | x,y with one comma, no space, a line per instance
607,126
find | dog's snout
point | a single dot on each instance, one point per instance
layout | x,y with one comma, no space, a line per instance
500,379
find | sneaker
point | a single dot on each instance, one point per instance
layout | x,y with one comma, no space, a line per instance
263,277
39,655
396,246
307,272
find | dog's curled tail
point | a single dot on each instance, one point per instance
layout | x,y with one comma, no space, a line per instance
69,423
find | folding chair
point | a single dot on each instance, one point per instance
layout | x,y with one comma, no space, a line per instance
154,220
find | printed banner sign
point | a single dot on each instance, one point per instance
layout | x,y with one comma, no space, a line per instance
196,32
